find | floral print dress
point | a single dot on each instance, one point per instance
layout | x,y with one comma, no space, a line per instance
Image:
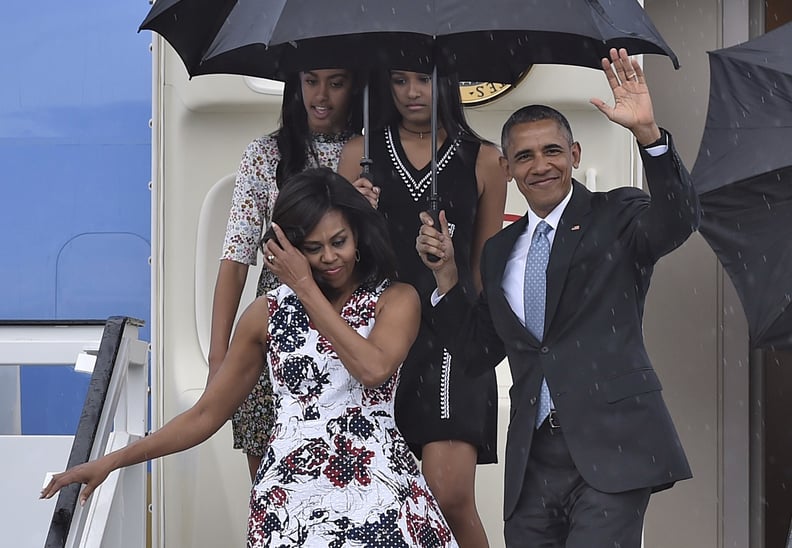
255,191
336,472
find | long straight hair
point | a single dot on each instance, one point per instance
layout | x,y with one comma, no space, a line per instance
450,112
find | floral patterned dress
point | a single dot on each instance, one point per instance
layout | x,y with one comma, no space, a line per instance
336,472
255,191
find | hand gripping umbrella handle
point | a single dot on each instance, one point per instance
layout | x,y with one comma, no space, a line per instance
434,213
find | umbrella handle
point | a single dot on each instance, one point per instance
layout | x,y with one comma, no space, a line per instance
365,164
434,213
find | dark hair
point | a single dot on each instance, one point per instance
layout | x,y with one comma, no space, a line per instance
293,137
450,113
312,193
534,113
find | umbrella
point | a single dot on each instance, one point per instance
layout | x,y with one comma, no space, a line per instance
487,41
743,175
492,40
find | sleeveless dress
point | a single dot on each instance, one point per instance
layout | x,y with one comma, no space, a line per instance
336,471
435,401
255,191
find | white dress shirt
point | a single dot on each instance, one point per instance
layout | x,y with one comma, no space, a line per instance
514,273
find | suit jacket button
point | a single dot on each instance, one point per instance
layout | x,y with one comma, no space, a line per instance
533,401
544,350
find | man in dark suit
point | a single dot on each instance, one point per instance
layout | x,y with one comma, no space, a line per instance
590,437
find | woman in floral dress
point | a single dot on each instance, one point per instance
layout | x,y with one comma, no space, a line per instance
336,471
320,111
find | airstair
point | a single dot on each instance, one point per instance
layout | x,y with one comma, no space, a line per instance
115,413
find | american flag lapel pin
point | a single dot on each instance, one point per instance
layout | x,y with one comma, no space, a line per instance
575,227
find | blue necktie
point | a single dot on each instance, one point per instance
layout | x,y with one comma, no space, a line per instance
534,294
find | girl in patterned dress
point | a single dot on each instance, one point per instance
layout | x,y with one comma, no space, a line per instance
332,339
320,111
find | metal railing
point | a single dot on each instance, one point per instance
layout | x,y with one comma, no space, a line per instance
115,413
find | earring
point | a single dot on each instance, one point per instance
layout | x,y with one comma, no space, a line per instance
357,255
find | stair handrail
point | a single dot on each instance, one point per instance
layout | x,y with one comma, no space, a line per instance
101,410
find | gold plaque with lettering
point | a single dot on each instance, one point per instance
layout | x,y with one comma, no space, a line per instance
479,93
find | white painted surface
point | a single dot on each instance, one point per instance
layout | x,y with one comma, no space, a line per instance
43,344
25,461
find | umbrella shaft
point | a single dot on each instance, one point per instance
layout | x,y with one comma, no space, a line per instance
433,197
366,120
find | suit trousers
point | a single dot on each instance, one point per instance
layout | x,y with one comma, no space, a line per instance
558,509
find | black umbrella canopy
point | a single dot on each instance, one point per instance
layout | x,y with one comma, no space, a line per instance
743,174
750,229
272,38
749,119
494,40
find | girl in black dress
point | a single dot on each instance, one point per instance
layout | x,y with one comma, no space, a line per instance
448,418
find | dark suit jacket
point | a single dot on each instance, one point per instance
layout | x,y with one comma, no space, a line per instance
606,393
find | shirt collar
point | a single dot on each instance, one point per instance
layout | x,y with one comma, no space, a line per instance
553,218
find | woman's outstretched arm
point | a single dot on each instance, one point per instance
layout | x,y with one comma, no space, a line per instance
233,382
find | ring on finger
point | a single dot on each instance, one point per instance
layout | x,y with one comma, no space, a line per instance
633,76
271,258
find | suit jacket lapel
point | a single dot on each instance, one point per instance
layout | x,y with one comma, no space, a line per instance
570,229
496,259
